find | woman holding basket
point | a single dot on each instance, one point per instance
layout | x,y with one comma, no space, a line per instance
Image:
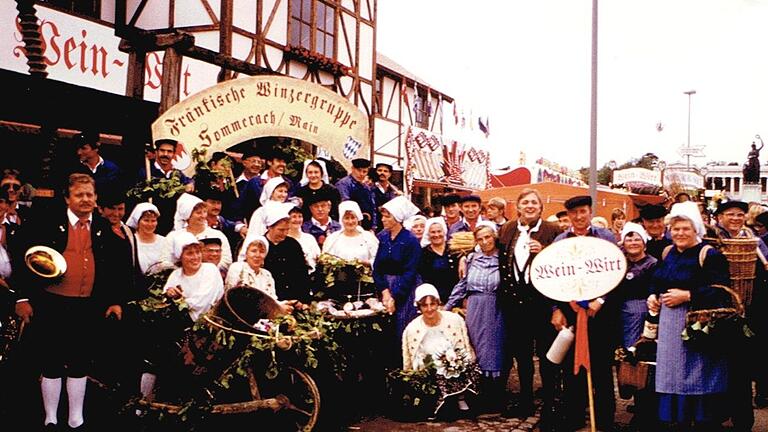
690,383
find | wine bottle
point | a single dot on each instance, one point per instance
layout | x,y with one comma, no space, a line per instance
651,325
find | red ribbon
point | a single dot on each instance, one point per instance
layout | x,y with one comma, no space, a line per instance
581,354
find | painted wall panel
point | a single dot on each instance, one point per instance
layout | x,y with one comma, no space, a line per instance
245,15
365,66
191,13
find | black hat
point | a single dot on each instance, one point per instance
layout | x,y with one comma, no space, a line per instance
653,211
561,213
361,163
162,141
86,137
731,204
578,201
251,152
295,209
277,153
320,195
388,166
212,194
450,199
471,198
110,198
762,219
211,240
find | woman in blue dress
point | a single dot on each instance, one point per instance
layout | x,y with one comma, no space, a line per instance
437,266
485,321
395,269
690,383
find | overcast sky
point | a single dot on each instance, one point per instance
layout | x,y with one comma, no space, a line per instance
526,64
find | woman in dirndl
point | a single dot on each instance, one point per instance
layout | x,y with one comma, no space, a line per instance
395,269
485,319
632,293
690,383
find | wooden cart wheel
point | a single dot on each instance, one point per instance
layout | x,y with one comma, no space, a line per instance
299,399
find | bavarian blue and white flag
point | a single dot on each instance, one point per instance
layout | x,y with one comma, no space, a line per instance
351,147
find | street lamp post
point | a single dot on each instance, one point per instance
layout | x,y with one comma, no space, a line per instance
688,155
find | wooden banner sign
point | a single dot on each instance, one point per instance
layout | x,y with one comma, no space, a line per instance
261,106
578,268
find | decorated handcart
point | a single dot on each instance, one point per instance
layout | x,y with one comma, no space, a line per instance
245,356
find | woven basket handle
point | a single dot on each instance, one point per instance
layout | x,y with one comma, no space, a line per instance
738,305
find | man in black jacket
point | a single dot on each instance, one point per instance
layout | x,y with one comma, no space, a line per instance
63,311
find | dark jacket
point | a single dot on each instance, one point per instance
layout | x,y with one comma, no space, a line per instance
517,293
112,282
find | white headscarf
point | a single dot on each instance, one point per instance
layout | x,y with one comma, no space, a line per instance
631,227
184,206
401,208
482,223
304,180
689,210
428,224
180,241
411,221
138,212
276,212
269,188
350,206
261,239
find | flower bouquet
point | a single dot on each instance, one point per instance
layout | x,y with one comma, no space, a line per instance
421,392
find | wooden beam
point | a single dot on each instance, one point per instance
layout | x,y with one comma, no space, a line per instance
228,62
225,37
170,80
134,84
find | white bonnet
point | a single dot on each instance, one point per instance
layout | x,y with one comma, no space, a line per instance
350,206
138,211
424,290
269,188
259,238
631,227
305,180
184,206
182,240
690,211
411,221
401,208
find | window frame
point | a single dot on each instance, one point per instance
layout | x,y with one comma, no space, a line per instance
311,26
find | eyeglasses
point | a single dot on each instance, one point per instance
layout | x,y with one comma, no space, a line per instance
14,186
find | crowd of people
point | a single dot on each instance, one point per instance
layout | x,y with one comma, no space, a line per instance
266,231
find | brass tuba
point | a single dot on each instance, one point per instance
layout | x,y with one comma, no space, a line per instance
45,262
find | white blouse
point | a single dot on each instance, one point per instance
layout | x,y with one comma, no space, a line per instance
200,291
362,246
310,248
240,273
152,253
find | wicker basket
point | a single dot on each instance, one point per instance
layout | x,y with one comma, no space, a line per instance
633,377
706,315
741,254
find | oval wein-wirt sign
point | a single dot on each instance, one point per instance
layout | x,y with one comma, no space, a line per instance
578,268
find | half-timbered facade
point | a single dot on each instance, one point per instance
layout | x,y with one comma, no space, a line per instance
161,52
